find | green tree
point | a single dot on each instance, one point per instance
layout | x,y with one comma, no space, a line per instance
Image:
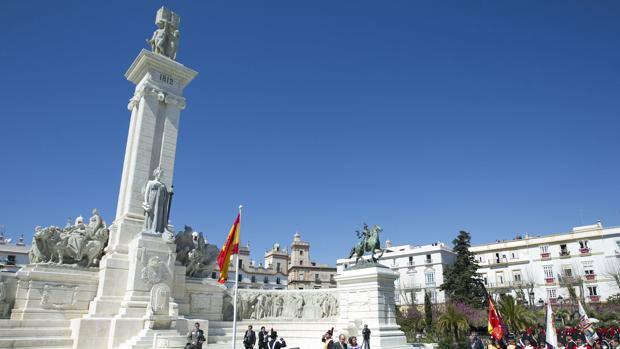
452,323
462,283
428,311
514,315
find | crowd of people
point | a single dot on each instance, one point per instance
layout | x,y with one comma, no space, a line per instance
344,342
567,338
266,339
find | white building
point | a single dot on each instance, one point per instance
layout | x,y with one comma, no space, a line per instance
13,255
272,275
541,269
421,270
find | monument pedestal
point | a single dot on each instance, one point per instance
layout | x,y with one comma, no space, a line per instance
367,297
58,292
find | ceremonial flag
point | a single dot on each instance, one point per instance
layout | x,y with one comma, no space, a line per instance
586,326
551,336
495,326
231,247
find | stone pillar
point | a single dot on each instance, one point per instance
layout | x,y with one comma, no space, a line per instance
155,111
367,296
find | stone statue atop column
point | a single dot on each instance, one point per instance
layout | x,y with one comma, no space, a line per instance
165,40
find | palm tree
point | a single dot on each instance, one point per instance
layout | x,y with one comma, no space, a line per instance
514,315
452,323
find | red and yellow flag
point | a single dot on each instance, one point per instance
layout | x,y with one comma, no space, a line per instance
231,247
495,326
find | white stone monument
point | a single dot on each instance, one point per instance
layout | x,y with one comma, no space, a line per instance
137,260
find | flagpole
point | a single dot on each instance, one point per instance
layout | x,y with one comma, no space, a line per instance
236,286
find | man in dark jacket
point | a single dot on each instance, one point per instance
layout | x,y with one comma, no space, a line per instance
263,337
249,338
195,338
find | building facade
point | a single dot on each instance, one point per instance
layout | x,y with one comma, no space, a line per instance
548,268
420,270
13,255
303,273
272,275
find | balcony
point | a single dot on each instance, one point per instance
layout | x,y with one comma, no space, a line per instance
553,301
545,255
584,251
505,284
590,277
549,281
595,299
564,254
428,261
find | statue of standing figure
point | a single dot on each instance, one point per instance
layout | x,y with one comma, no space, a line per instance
156,205
165,39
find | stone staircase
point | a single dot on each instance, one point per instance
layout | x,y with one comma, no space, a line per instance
39,334
166,339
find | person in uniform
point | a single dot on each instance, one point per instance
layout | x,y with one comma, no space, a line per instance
274,342
327,339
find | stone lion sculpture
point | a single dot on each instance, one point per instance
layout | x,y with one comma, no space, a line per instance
195,253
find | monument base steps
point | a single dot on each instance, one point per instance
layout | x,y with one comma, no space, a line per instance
148,338
39,334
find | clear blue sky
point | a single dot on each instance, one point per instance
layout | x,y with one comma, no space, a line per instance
498,117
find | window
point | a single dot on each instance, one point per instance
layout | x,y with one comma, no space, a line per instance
568,271
497,259
551,293
346,266
588,267
592,291
10,260
253,278
331,277
428,258
434,296
548,270
430,277
240,278
240,263
278,280
301,252
516,276
213,275
583,243
499,277
301,262
278,267
265,280
410,260
301,275
485,280
316,277
544,248
563,250
513,255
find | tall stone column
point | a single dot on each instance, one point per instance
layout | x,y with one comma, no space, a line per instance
151,143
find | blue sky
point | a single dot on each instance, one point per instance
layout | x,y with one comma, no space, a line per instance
424,117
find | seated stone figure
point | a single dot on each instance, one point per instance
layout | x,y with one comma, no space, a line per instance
75,244
195,253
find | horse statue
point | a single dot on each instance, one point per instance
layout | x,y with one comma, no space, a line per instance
369,242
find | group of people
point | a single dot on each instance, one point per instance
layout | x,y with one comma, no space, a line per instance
344,342
266,339
528,341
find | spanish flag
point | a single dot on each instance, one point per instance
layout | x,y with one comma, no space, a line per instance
495,326
231,247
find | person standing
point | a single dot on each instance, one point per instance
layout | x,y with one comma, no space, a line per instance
475,342
249,338
274,342
195,338
353,344
327,339
263,336
342,342
366,336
